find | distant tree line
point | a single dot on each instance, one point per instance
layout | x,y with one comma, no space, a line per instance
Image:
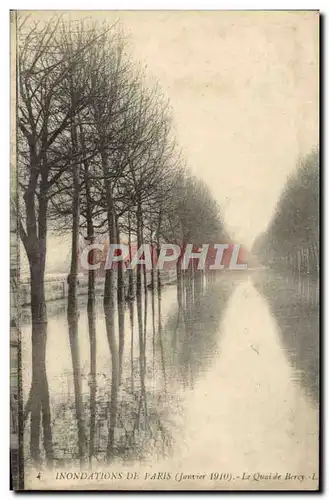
292,238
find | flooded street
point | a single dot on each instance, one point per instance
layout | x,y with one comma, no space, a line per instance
253,406
220,379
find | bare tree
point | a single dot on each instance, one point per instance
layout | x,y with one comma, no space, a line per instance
97,155
46,118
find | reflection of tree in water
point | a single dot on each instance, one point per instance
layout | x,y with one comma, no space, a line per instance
143,424
294,302
38,437
131,410
128,418
92,379
191,331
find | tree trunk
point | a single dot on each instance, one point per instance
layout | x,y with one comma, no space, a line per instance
109,314
121,325
130,271
120,297
90,227
92,339
39,391
131,317
72,307
35,245
139,242
113,403
158,252
161,342
120,273
93,386
144,266
109,273
179,281
142,357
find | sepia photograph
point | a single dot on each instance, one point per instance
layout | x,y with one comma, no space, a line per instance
164,250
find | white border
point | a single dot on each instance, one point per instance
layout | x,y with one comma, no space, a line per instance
168,4
4,184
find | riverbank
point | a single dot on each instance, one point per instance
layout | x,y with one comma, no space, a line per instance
56,287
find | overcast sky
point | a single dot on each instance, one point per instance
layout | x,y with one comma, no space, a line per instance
244,92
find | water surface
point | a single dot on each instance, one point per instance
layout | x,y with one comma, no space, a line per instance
222,377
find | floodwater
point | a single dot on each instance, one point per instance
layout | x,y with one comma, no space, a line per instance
221,379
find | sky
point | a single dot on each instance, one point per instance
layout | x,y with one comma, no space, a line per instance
244,93
243,87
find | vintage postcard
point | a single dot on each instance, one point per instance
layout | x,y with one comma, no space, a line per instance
164,269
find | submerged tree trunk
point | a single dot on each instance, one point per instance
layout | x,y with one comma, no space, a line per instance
109,273
120,297
39,391
113,402
161,341
131,317
91,313
130,271
144,266
155,256
121,325
34,241
120,272
139,242
158,252
90,226
179,281
142,356
72,307
93,384
109,316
